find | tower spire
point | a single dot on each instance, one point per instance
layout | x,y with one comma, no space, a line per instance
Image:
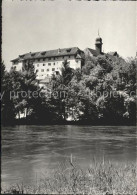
98,44
98,33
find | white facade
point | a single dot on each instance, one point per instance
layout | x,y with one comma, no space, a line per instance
50,62
46,68
18,66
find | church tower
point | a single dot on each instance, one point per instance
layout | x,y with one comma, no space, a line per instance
98,45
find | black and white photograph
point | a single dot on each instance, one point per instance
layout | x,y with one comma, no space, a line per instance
68,97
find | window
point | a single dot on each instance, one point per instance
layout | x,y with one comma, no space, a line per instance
37,65
43,64
43,59
53,69
68,50
42,70
47,69
49,64
49,58
54,63
43,53
37,70
38,60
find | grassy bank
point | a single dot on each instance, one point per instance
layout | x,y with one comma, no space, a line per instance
70,178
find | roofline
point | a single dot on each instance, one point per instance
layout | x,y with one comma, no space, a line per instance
57,55
49,56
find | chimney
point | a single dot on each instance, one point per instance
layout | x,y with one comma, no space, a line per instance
59,50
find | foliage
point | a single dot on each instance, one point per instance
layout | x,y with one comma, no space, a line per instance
70,178
102,92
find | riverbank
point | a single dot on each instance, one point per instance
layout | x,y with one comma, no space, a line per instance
69,178
99,122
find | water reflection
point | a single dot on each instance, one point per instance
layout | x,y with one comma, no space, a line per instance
28,151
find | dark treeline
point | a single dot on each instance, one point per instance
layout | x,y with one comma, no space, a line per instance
103,92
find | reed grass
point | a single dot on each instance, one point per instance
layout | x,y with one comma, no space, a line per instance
98,179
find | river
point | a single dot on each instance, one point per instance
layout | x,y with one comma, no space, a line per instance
29,151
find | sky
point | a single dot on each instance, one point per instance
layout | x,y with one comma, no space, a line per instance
38,25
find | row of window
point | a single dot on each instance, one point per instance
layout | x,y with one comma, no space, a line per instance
49,64
49,74
42,70
54,58
44,75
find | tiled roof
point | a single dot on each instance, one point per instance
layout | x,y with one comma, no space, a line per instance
50,53
94,52
112,53
15,59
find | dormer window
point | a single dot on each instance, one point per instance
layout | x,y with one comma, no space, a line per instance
21,56
68,50
43,53
32,54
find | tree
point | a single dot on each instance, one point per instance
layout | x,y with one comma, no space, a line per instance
7,105
111,108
